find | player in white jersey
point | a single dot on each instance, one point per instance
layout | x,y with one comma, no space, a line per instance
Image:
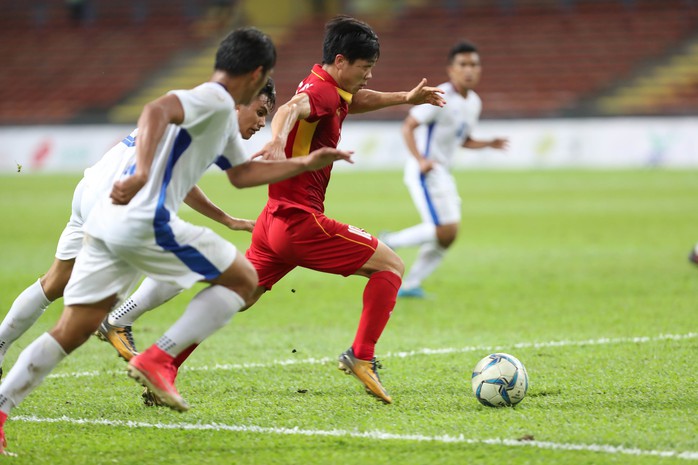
98,179
135,230
433,135
117,327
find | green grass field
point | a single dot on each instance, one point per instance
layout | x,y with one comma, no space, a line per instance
582,275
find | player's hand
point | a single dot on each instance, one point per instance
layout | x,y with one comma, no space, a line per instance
500,143
272,150
424,94
239,224
425,165
326,156
123,191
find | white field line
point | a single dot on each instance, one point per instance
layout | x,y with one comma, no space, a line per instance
373,435
424,351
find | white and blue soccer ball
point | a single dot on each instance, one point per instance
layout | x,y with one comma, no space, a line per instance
499,380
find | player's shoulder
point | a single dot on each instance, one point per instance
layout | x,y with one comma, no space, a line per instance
316,86
471,100
324,96
474,96
474,101
209,93
447,87
205,103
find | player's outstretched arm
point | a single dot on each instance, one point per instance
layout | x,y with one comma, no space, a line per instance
198,201
370,100
258,172
286,116
152,123
496,143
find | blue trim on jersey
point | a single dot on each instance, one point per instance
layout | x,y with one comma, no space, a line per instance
427,197
164,236
129,170
129,141
423,178
223,163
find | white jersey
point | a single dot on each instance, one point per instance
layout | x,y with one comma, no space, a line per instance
444,129
209,134
99,178
95,184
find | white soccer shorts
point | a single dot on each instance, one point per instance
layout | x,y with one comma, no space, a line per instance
435,194
104,269
70,242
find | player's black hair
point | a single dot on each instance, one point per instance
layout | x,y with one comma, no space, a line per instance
270,91
461,47
243,50
353,39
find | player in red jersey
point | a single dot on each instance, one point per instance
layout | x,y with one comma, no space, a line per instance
292,230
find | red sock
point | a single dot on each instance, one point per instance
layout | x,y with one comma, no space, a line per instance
183,355
379,300
3,441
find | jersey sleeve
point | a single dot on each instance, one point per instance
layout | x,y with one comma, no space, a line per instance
233,154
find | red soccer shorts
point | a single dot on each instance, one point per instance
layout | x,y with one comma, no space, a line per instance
292,237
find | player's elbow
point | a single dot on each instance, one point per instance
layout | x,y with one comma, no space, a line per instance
241,182
238,177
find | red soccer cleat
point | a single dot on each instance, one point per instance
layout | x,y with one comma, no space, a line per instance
3,441
154,369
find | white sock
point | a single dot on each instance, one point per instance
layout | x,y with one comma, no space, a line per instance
34,363
148,296
428,259
419,234
25,310
208,311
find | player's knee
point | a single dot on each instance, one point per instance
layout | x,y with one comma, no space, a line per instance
75,326
446,235
53,285
250,284
259,290
247,282
391,261
240,277
396,265
447,241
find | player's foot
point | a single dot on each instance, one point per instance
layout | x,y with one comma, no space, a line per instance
413,293
364,371
150,399
120,337
154,370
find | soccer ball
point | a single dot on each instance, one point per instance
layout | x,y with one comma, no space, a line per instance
499,380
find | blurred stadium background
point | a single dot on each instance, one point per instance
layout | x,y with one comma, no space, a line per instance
571,82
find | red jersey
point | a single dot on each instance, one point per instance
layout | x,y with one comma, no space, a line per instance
329,105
